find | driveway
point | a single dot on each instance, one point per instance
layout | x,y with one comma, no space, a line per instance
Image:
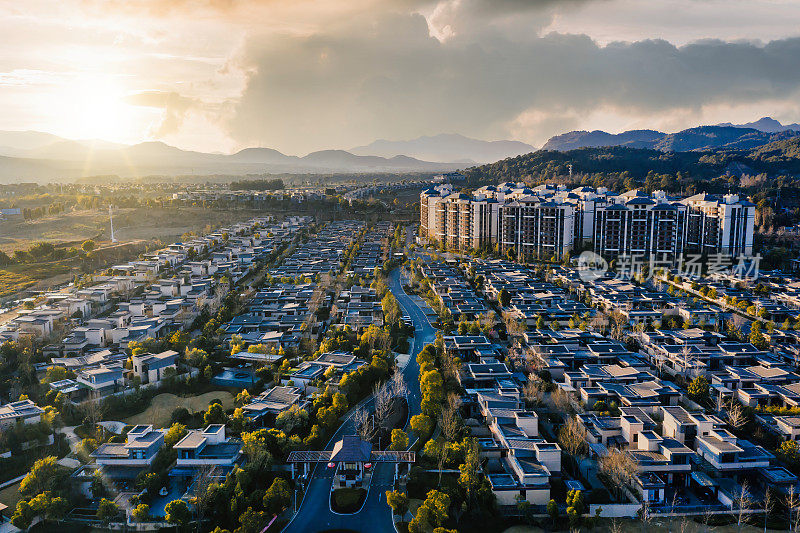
375,516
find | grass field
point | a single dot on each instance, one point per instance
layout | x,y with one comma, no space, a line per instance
11,283
134,228
10,495
166,224
162,406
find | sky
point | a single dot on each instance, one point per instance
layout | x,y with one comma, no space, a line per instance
305,75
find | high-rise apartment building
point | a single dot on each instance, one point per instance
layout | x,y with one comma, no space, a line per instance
548,221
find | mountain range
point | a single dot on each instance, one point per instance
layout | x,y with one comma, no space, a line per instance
27,156
32,155
446,147
726,135
776,158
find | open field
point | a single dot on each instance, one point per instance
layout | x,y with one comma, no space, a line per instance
162,406
135,228
166,224
10,495
47,274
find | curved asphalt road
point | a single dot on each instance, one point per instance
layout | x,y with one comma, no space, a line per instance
314,514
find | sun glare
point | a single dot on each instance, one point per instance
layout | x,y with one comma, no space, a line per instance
93,108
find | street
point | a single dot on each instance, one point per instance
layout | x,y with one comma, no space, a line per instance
375,516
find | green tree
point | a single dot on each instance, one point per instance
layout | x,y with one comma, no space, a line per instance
757,337
177,512
504,298
23,515
789,450
398,501
422,425
292,419
175,433
470,476
179,340
399,440
44,475
699,388
215,415
278,496
252,521
552,510
88,245
141,513
107,511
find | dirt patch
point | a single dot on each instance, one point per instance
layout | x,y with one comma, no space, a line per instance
161,407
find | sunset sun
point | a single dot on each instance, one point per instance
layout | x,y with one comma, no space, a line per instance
93,108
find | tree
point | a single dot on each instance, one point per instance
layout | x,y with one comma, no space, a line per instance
252,521
757,338
432,387
399,440
179,340
789,450
422,425
533,392
177,512
398,501
470,477
292,419
735,415
256,445
742,502
175,433
141,513
277,497
383,403
699,388
44,475
57,373
572,438
504,298
552,510
432,513
88,245
361,421
107,511
215,415
620,467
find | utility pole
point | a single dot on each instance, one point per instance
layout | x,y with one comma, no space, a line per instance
111,219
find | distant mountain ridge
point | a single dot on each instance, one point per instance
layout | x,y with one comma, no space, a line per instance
765,124
446,147
734,136
66,159
777,158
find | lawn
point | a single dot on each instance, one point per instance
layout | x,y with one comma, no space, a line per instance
10,495
161,407
348,500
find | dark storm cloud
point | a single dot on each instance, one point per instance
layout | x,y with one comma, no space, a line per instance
388,77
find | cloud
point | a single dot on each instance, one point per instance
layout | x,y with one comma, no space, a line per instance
388,77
